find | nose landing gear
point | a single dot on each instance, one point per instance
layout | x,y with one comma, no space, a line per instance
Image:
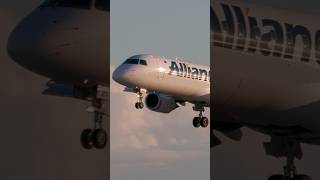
290,149
95,94
139,104
96,137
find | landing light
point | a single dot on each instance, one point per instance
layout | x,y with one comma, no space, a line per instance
161,69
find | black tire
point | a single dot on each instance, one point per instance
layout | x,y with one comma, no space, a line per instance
141,105
86,139
302,177
196,122
137,105
277,177
204,122
99,138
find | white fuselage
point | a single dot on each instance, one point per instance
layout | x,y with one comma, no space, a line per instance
183,80
266,66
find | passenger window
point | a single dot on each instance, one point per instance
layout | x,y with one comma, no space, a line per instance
84,4
131,61
103,5
143,62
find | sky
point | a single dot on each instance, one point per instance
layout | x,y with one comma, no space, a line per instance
40,135
149,145
173,28
247,159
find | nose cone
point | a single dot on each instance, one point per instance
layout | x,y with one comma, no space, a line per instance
25,44
36,43
20,46
63,44
124,75
117,75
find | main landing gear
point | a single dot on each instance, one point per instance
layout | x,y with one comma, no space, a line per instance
139,104
200,120
290,149
96,137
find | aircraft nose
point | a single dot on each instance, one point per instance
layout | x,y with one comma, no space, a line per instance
123,75
20,47
36,42
117,75
24,43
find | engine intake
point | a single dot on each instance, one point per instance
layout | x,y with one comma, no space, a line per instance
160,103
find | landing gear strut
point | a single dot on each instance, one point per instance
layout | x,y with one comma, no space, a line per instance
94,93
139,104
200,120
96,137
290,149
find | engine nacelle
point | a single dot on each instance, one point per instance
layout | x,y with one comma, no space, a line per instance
160,103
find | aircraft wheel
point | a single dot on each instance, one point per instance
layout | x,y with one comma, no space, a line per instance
302,177
204,122
277,177
139,105
196,122
99,138
86,139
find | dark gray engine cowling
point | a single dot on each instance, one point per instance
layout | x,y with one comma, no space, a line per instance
160,103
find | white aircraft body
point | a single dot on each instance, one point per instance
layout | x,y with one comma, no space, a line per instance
167,82
266,76
68,42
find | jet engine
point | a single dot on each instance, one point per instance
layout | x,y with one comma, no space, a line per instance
160,103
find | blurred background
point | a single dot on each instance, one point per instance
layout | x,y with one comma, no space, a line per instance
247,159
40,135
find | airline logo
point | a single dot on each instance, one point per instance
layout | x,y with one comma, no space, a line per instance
279,39
183,70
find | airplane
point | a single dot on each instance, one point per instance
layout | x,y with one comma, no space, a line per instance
168,83
67,41
266,69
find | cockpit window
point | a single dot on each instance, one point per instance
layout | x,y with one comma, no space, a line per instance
131,61
84,4
136,61
143,62
103,5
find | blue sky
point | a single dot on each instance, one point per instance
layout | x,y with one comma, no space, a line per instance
167,28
